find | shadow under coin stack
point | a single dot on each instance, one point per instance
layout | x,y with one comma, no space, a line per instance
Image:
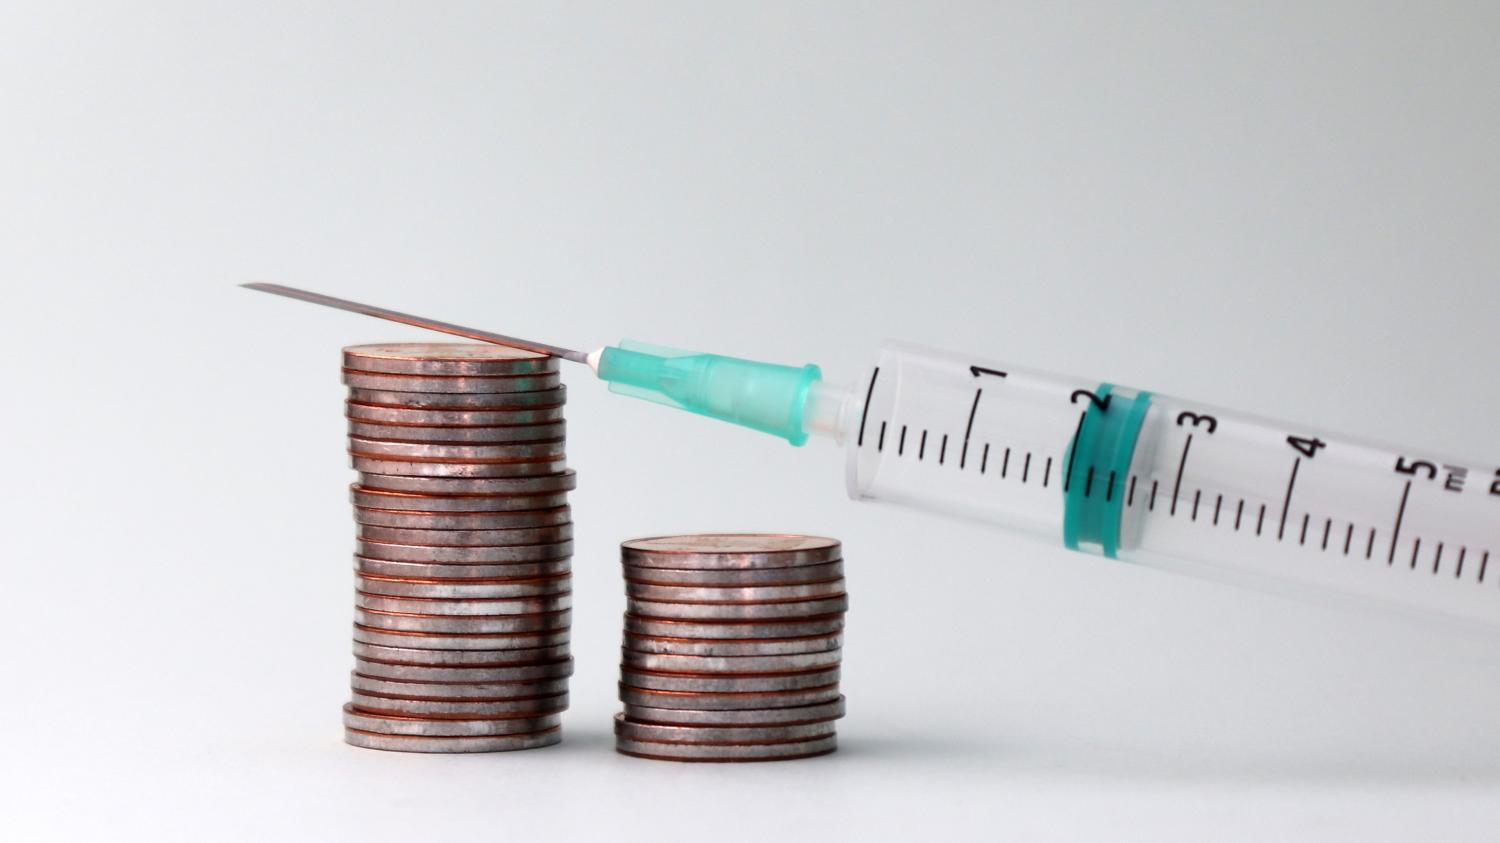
732,647
462,566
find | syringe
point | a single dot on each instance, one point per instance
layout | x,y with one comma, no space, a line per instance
1124,473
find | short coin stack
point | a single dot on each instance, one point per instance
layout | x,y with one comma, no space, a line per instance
732,647
462,563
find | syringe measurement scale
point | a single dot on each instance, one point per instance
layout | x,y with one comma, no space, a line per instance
1128,474
1175,484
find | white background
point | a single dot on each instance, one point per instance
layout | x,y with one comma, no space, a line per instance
1284,207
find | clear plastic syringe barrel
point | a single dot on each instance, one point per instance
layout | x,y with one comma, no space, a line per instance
1175,484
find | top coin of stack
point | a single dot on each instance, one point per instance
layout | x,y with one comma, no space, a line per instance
462,567
732,647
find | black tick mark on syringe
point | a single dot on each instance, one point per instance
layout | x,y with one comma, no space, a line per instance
865,412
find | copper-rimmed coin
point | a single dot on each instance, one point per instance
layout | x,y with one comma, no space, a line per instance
420,727
447,590
423,727
557,481
733,647
464,521
736,594
737,611
478,624
712,735
560,669
448,452
459,573
739,701
730,717
491,555
416,468
461,640
464,607
451,385
466,709
466,538
459,658
739,665
721,684
446,358
714,551
412,743
690,629
660,751
748,577
458,691
457,435
488,401
460,504
380,414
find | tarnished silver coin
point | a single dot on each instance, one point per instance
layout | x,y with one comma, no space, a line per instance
742,577
446,358
461,640
728,717
788,751
385,449
457,435
557,481
476,624
740,665
721,684
466,538
413,743
415,468
559,669
434,555
464,607
489,401
737,611
695,629
448,590
465,709
718,551
459,658
736,594
737,701
451,385
733,647
459,573
463,521
423,727
711,735
378,414
458,691
457,504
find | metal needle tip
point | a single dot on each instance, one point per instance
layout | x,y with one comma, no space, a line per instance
418,321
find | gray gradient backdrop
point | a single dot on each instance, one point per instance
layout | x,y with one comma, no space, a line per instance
1285,207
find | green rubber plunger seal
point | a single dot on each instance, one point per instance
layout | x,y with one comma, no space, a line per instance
1097,469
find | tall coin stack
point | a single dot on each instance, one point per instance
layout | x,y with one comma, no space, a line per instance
462,563
732,647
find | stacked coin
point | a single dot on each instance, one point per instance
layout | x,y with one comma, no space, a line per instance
732,647
462,563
